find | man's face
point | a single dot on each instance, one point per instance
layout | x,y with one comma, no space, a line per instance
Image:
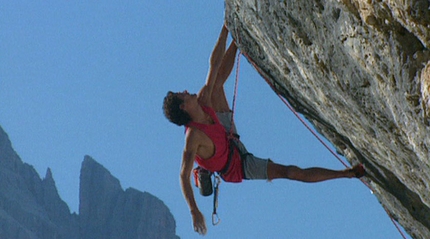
190,100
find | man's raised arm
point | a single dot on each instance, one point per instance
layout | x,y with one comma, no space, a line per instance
205,93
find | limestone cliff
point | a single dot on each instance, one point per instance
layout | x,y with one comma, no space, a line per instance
30,207
359,71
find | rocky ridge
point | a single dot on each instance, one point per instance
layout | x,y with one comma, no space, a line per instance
107,211
359,71
30,207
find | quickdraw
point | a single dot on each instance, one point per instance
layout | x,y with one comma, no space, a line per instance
215,219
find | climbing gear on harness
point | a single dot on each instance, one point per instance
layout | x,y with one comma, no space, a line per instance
202,180
215,219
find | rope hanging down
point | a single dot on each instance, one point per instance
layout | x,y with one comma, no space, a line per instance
307,126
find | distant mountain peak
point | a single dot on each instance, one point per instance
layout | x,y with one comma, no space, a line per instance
32,208
48,175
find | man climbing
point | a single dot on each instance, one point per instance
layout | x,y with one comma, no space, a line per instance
211,138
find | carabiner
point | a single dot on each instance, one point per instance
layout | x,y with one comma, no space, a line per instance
215,219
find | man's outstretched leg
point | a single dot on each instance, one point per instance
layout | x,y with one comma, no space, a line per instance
311,175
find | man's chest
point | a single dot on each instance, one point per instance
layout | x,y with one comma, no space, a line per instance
206,147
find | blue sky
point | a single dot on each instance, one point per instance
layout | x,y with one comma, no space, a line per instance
88,78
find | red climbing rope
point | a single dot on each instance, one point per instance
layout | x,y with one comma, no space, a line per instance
233,104
308,127
215,219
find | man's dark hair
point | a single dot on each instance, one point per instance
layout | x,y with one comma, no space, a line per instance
172,110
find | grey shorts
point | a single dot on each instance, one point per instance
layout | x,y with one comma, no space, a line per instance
253,167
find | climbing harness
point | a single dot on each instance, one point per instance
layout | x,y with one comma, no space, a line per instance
316,135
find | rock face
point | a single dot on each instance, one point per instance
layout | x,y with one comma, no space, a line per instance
359,71
30,207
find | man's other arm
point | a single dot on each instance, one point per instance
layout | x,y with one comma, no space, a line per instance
190,150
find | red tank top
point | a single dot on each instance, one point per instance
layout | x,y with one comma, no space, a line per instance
217,133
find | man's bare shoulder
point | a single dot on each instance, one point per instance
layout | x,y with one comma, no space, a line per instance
197,141
194,135
193,140
205,96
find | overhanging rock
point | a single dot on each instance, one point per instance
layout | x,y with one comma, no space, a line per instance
359,71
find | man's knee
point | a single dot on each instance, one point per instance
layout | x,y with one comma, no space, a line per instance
282,171
294,173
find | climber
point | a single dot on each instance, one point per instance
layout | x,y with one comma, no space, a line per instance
208,119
